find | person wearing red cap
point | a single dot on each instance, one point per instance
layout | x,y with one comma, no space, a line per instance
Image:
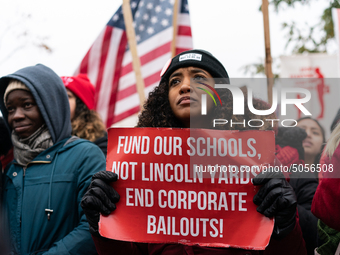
86,122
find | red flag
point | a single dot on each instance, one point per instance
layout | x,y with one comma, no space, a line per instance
108,63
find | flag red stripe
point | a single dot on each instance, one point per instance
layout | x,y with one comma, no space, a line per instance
184,30
125,114
132,89
148,81
151,55
180,50
85,62
116,77
103,57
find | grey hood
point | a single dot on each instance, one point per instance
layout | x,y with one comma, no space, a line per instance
50,95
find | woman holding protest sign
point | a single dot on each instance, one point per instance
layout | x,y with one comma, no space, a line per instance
176,102
86,122
51,170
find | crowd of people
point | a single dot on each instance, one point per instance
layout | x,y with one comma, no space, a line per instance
54,185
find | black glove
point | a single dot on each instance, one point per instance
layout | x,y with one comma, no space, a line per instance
276,198
100,197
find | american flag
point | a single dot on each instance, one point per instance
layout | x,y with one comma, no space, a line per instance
108,63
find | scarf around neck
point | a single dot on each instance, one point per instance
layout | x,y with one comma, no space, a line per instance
26,149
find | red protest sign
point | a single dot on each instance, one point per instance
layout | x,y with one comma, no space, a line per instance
189,186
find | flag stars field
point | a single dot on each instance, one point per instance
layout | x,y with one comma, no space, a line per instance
168,12
150,30
115,17
154,20
158,9
165,22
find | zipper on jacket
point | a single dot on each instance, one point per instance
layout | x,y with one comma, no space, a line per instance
24,173
22,192
24,168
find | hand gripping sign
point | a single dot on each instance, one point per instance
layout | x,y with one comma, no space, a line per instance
188,186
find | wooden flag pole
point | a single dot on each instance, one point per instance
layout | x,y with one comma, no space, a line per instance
175,27
268,64
131,35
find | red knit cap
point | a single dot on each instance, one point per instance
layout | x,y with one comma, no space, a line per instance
82,87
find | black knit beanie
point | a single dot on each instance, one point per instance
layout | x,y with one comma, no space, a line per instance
197,58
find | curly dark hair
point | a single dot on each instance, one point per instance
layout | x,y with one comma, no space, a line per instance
157,111
86,123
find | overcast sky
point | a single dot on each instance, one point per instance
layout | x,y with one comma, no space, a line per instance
231,30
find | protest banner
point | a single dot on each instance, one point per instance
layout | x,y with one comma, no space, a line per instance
189,186
318,73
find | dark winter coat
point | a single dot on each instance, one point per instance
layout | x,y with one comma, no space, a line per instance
102,143
290,152
54,180
305,185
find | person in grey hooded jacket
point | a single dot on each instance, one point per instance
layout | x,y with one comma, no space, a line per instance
51,170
